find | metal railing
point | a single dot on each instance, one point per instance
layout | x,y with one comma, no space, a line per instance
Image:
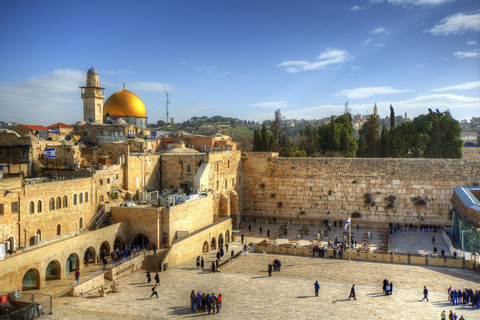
37,304
130,257
98,219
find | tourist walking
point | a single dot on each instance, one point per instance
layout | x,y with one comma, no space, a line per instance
226,246
352,293
213,266
160,265
157,278
219,300
270,269
77,275
149,277
198,262
425,293
243,237
154,249
154,291
317,288
202,263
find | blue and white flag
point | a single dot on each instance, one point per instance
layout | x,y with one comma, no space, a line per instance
346,224
49,153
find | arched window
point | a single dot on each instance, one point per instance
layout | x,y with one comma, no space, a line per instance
75,199
59,230
32,207
59,203
39,206
81,197
52,204
188,168
39,233
86,196
65,201
80,223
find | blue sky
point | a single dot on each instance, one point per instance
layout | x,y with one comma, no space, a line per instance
241,59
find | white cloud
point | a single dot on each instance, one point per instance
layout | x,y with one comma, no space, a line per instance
44,99
379,45
356,8
467,54
367,41
472,43
270,105
366,92
463,86
380,30
418,2
326,58
457,24
420,65
150,87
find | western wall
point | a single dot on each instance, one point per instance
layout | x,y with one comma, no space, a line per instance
375,191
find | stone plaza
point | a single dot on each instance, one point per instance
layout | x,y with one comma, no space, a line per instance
249,293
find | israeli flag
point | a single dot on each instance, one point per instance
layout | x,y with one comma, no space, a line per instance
346,224
49,153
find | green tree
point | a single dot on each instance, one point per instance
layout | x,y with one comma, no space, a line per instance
256,140
383,141
370,138
276,130
332,144
264,138
392,118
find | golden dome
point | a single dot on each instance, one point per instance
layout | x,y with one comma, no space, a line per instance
124,103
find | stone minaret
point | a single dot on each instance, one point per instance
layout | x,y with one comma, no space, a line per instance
375,111
92,96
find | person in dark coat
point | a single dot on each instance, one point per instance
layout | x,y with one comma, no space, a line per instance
317,288
198,262
160,265
149,277
243,237
213,266
270,268
352,293
202,263
157,278
425,293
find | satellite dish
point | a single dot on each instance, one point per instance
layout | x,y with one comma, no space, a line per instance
68,138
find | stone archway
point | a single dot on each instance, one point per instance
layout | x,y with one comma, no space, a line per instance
220,240
53,271
141,241
72,264
205,246
89,256
227,236
31,280
118,243
104,249
213,243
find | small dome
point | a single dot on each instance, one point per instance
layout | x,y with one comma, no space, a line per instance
120,122
80,123
92,72
124,103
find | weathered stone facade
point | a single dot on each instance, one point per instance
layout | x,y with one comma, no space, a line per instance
374,191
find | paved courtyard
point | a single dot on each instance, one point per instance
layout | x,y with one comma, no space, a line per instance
248,292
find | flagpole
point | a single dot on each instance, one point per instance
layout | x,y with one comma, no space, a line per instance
349,235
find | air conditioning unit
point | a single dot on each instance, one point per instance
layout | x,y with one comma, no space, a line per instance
36,239
7,246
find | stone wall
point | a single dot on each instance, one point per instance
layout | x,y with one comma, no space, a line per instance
141,220
374,191
143,172
93,282
178,168
64,216
14,267
126,267
10,192
190,216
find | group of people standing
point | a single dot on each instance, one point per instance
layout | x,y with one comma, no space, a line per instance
205,302
468,295
274,266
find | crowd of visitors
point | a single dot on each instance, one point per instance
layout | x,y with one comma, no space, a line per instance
202,302
464,297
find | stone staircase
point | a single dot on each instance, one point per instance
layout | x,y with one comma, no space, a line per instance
151,261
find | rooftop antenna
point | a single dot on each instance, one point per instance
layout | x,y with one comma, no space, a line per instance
167,102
